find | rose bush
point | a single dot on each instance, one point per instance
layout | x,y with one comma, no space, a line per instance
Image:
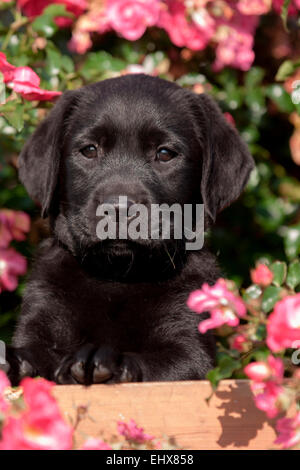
269,325
245,53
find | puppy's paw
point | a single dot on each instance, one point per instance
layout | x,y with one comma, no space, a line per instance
18,365
94,366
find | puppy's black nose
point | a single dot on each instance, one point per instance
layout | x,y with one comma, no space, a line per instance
120,204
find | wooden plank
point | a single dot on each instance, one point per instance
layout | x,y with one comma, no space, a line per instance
176,409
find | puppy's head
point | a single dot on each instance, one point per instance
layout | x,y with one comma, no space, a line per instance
134,136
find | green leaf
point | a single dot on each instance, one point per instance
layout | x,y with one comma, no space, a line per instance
67,64
214,377
234,98
14,117
57,9
258,354
252,292
281,97
10,106
293,276
128,52
255,100
284,12
55,60
285,70
228,77
270,297
250,134
99,62
45,23
45,26
227,365
270,213
260,332
279,270
254,77
5,318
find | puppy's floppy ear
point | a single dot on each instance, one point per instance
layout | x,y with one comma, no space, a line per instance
227,162
39,160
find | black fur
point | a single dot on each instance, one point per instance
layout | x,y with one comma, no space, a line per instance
116,311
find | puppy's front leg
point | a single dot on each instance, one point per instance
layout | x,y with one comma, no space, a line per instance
175,362
94,365
19,364
165,362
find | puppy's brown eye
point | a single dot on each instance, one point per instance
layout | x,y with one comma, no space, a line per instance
164,154
89,151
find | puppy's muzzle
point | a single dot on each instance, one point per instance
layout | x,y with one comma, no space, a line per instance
120,204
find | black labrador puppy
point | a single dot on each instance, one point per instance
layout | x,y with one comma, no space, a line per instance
115,311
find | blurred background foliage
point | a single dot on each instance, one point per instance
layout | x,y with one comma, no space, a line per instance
265,222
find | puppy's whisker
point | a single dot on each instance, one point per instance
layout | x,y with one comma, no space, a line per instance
130,264
169,255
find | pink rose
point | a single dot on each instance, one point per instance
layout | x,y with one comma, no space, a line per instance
13,225
267,397
254,7
261,371
25,81
12,265
5,230
235,42
130,18
91,22
229,118
6,68
267,379
40,426
295,145
262,275
283,328
80,42
195,33
132,432
235,50
239,342
224,306
289,429
258,371
33,8
95,444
